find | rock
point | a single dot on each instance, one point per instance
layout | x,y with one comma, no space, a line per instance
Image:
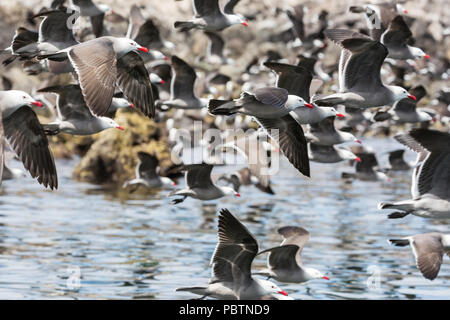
112,158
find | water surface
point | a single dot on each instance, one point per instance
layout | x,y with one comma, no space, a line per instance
139,246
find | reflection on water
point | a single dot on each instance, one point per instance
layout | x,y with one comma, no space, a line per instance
139,246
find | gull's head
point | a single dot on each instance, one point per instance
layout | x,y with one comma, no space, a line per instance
312,274
230,191
347,155
155,79
400,93
17,98
168,182
121,103
294,102
424,116
401,9
124,45
330,111
237,19
418,53
271,288
110,123
158,55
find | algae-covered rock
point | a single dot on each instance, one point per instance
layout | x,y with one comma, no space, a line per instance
112,158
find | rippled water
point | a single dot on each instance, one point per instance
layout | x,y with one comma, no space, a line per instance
139,246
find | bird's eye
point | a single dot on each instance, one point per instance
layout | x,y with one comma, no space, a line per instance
24,97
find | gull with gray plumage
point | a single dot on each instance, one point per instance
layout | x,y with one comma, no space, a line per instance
200,186
284,263
73,115
325,133
360,84
105,62
405,110
329,154
182,95
231,266
208,16
428,250
271,108
298,81
147,175
430,187
26,136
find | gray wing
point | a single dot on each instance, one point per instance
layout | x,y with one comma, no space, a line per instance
83,3
149,36
289,135
95,63
282,257
27,137
339,35
419,92
295,236
257,158
97,24
135,22
70,102
182,85
307,63
433,175
198,175
229,7
296,18
362,70
146,168
216,44
54,28
405,105
367,163
206,8
396,156
134,80
326,125
272,96
428,251
235,251
397,34
296,80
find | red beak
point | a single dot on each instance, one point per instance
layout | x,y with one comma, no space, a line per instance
143,49
37,104
309,105
284,293
358,159
174,184
238,194
131,106
359,141
412,97
405,11
162,81
340,115
427,56
245,23
119,127
165,58
326,278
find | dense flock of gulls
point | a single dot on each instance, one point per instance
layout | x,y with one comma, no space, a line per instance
113,71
